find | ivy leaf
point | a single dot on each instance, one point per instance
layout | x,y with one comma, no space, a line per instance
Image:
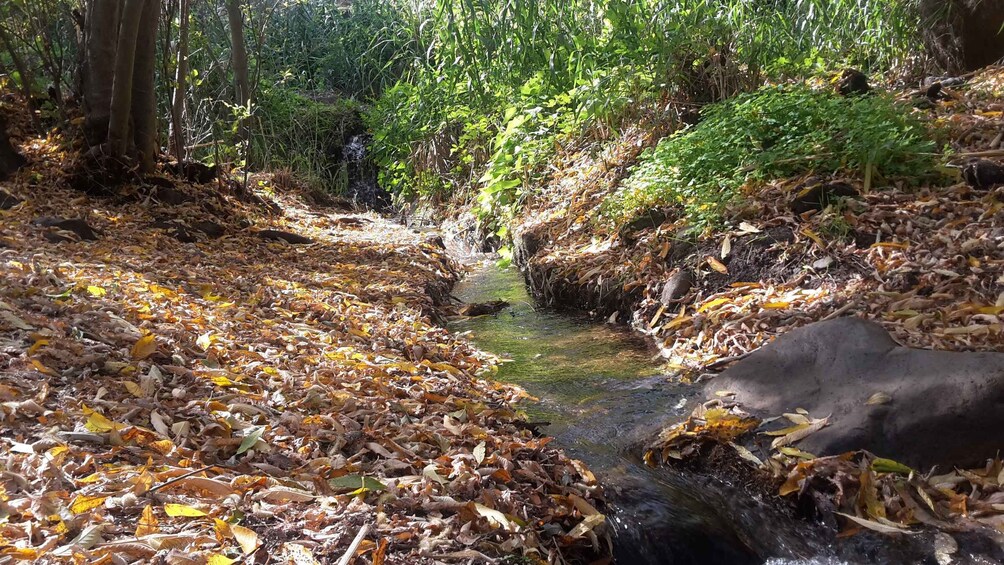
251,439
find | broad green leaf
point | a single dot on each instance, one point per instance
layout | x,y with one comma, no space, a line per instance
251,439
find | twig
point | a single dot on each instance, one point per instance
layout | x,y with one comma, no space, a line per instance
840,311
179,478
726,360
354,545
994,153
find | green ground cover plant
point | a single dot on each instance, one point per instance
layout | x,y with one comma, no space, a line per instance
775,132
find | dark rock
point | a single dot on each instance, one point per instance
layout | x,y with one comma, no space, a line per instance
351,222
210,228
934,92
864,240
983,174
158,181
8,201
170,195
948,81
690,116
525,245
812,196
943,407
10,159
193,171
435,241
677,287
177,230
650,219
483,308
276,235
853,83
75,225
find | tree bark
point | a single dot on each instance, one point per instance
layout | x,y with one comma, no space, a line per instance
10,159
144,95
24,75
122,87
102,26
177,137
239,59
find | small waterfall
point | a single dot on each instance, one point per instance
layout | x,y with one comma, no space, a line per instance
361,172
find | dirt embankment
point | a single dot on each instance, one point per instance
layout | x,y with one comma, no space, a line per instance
924,262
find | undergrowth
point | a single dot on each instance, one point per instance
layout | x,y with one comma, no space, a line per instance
306,136
773,133
502,85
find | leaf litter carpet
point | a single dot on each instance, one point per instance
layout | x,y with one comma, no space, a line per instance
243,400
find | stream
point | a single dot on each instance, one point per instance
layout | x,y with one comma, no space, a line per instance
602,393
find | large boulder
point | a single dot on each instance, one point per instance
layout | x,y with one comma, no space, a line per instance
917,406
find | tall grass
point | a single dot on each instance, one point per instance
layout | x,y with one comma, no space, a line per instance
500,82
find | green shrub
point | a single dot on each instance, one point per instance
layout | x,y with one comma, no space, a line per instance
304,135
772,133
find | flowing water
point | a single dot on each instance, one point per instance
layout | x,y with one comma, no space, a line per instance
602,393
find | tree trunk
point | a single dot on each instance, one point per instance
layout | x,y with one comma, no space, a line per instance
10,159
239,58
122,87
144,95
177,136
102,26
24,75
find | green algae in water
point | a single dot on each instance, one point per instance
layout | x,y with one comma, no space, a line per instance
562,359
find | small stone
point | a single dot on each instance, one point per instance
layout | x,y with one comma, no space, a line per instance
853,83
824,263
819,196
8,201
483,308
983,174
288,237
677,287
74,225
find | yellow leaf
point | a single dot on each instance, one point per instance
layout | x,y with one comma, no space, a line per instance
147,523
776,305
175,510
206,292
205,341
83,504
717,265
162,446
97,422
712,304
96,291
37,345
134,389
23,553
247,539
223,530
219,559
43,369
813,236
144,347
221,380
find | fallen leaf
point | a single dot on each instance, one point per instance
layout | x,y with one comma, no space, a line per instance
144,347
246,538
183,510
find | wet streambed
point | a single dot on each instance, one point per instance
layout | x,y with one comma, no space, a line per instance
602,392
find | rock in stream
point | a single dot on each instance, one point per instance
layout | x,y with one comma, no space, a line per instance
919,407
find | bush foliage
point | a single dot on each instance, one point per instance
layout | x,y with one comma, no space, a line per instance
774,132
